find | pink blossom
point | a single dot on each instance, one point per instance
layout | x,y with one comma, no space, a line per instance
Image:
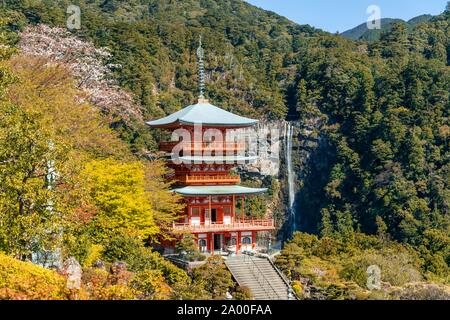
88,64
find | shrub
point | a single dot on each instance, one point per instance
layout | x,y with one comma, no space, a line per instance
139,258
242,293
26,281
216,277
423,292
98,284
188,246
298,288
397,268
151,285
190,290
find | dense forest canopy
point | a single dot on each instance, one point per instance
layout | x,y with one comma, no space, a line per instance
377,173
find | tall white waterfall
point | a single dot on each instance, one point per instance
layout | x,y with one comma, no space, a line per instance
289,133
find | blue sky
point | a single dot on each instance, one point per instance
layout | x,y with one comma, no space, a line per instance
341,15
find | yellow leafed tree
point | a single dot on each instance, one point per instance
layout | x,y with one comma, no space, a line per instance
167,205
118,190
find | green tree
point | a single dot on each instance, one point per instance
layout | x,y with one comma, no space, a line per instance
118,190
28,209
216,277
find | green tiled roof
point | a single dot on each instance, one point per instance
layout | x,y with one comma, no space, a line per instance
204,113
217,190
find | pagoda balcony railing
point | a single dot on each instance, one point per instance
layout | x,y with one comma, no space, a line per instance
210,179
247,225
192,147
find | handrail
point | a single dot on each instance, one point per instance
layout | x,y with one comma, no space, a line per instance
283,277
257,276
263,222
203,145
217,177
260,273
222,177
217,226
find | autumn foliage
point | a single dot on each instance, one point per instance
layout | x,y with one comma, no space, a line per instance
26,281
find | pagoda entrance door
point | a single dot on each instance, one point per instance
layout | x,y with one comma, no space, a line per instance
213,215
218,241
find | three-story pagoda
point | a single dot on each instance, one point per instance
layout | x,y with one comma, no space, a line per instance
203,167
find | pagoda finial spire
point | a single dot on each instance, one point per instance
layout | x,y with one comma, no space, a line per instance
201,73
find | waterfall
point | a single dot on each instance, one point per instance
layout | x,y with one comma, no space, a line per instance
289,133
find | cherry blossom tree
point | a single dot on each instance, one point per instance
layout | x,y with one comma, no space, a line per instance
89,65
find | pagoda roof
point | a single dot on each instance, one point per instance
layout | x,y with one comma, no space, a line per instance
218,190
205,114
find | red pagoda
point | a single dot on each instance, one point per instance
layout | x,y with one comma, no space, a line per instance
202,167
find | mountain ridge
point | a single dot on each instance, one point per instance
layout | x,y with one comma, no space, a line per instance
361,32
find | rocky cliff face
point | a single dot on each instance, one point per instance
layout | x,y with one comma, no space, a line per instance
307,143
272,138
306,139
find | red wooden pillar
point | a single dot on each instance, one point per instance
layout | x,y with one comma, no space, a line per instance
209,206
243,209
238,241
253,240
233,209
222,144
208,242
188,214
212,243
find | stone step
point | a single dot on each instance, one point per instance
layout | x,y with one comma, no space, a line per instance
278,293
264,267
278,289
259,276
261,267
258,283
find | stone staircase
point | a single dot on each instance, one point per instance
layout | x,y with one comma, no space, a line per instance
260,276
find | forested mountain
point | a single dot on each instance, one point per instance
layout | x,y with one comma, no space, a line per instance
361,32
371,123
380,158
249,51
